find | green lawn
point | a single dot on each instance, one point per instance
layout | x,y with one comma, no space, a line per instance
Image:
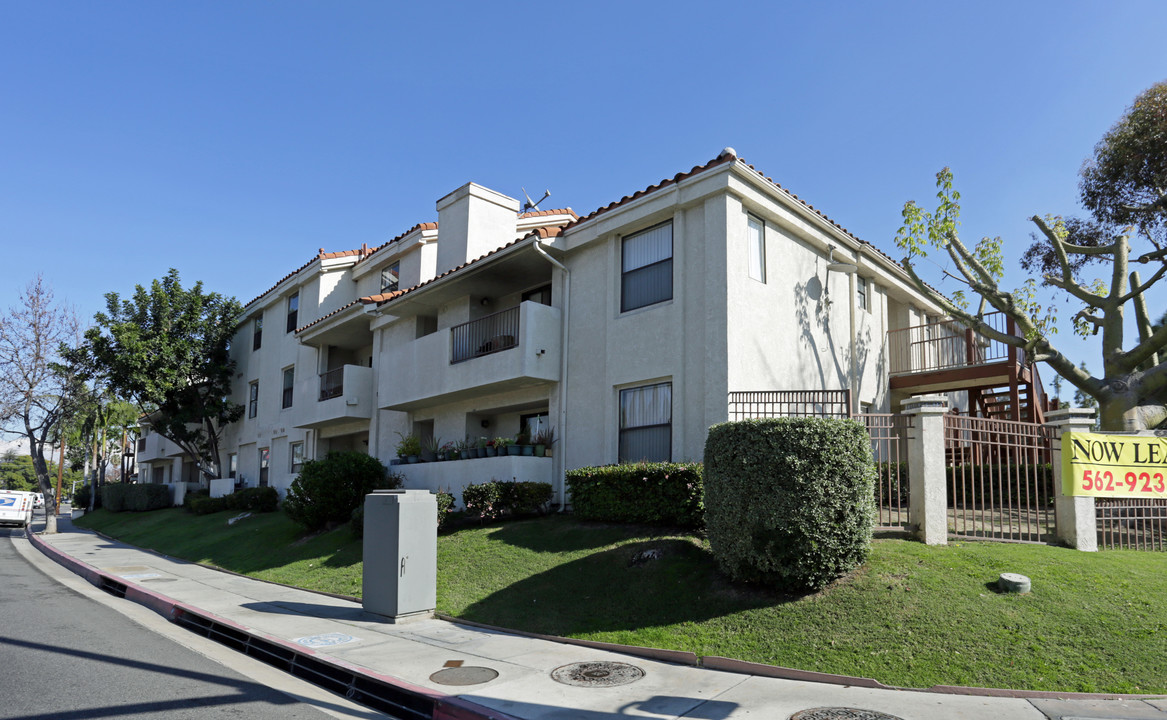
913,616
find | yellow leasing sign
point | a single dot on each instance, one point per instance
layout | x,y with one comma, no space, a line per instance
1122,466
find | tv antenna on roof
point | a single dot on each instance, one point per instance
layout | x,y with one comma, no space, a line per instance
530,205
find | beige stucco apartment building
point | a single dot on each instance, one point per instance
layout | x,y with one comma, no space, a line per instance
625,330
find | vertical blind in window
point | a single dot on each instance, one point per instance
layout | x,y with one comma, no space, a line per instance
757,242
646,423
647,267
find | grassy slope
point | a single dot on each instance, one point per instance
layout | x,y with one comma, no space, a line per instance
913,616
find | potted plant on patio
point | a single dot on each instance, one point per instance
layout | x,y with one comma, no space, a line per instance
523,441
542,441
506,446
408,448
429,449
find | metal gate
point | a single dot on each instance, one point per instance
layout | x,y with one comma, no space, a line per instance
1000,481
1131,524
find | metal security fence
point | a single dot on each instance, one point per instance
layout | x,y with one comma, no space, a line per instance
889,446
1000,482
1131,524
789,403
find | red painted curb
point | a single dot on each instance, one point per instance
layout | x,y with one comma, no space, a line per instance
446,707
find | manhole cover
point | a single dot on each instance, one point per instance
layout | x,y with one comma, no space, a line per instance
841,713
468,675
597,674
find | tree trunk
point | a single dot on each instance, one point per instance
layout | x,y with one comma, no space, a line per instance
43,482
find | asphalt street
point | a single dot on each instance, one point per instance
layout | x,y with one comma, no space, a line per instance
66,654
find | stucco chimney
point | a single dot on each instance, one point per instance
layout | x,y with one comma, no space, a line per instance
472,221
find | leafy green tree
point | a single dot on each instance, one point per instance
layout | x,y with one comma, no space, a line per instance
37,386
166,350
1124,183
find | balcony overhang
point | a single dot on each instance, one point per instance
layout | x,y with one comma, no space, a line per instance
346,328
506,270
962,378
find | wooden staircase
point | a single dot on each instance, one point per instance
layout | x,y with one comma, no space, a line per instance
947,357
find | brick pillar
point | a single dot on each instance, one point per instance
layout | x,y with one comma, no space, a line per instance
928,493
1077,526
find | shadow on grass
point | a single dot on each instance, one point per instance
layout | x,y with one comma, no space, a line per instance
548,534
618,589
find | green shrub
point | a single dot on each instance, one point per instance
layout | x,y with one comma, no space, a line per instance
118,497
329,490
256,500
646,493
204,504
191,495
494,499
789,501
445,505
357,520
81,498
481,500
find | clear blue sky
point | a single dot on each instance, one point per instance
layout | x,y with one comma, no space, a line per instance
231,140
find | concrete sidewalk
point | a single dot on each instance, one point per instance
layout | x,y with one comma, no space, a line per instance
453,671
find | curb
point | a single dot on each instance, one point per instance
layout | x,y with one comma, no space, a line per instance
292,658
146,597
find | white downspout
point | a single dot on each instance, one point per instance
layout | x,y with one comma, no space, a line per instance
854,367
559,466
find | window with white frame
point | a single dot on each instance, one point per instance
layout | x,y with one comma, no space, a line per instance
232,465
293,311
253,399
756,238
646,423
862,292
391,278
257,333
296,456
646,267
289,387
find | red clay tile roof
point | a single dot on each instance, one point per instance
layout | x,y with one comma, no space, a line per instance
321,255
322,319
381,299
541,213
419,226
722,159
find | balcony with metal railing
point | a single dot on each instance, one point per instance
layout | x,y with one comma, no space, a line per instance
513,348
345,395
946,345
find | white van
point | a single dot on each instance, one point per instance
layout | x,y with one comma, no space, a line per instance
16,508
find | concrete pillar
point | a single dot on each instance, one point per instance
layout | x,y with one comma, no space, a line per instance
400,578
1077,526
928,487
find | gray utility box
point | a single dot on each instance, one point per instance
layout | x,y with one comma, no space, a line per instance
401,553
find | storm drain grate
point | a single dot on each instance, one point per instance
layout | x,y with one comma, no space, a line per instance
113,587
597,674
367,691
841,713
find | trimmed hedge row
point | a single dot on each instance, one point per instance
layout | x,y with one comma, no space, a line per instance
789,501
256,500
646,493
118,497
491,500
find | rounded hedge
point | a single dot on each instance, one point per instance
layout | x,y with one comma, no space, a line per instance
789,501
329,490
